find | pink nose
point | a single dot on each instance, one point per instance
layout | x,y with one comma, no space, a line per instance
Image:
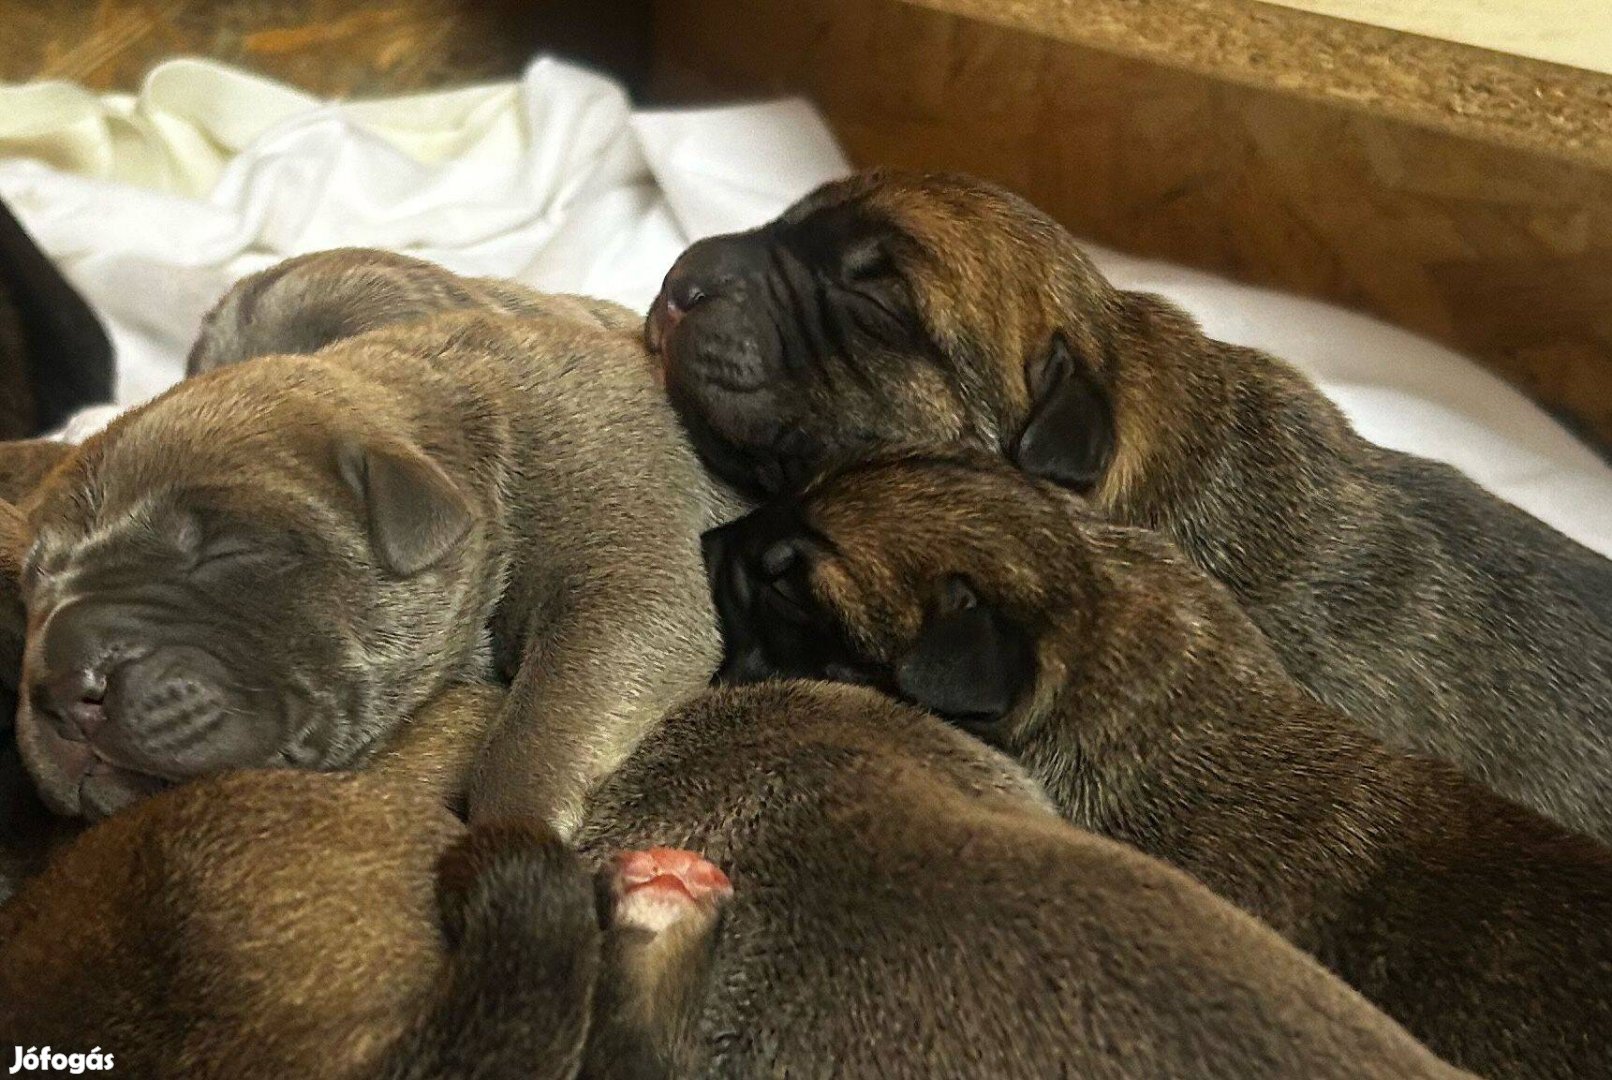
74,703
664,316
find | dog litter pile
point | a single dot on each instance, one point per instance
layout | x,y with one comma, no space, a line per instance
769,620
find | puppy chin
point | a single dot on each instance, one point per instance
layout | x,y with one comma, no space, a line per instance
72,780
105,789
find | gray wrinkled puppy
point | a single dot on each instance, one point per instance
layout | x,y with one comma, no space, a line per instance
277,923
906,904
895,309
276,561
1136,690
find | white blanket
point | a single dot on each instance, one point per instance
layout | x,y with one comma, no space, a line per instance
154,203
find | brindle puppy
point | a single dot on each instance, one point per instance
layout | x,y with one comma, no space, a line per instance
906,905
276,561
279,923
889,310
1137,691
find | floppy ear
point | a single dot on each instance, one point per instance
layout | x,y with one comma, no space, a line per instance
1069,438
416,513
970,663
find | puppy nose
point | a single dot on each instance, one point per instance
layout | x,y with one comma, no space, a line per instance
715,266
663,319
711,267
75,659
74,701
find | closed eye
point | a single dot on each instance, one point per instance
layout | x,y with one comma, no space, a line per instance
784,601
234,552
867,262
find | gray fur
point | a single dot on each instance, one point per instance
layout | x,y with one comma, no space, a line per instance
576,575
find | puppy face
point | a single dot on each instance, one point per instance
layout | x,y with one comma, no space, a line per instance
241,573
888,310
930,579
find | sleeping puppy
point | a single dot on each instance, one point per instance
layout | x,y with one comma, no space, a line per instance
906,905
900,310
276,561
304,303
274,923
1136,690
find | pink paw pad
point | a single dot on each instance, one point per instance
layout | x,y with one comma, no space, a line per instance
661,886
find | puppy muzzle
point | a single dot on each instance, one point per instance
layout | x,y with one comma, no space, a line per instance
107,717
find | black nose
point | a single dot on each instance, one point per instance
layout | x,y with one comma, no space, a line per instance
712,267
80,650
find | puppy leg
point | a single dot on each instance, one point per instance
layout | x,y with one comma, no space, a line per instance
602,666
519,915
436,748
661,908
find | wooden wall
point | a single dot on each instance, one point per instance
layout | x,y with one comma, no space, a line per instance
1502,251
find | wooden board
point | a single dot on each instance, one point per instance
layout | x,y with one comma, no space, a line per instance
1475,225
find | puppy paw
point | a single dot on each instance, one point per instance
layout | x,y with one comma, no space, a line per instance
655,889
507,870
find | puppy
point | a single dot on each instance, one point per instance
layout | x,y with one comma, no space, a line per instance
277,561
211,931
1136,690
907,905
304,303
898,310
55,357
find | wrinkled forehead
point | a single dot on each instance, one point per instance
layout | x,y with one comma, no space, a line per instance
957,215
908,523
986,269
151,474
81,521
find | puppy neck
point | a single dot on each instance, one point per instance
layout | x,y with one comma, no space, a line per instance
1227,450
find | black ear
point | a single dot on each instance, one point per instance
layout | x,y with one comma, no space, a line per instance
65,355
715,544
732,593
416,513
1069,438
970,664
